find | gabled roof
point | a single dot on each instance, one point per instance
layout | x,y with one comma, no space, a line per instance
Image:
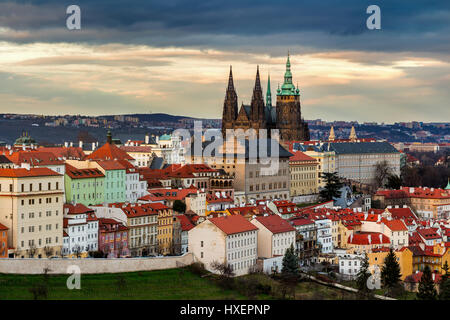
24,173
3,227
275,224
300,156
109,152
233,224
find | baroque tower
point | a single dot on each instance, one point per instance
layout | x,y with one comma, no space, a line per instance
289,119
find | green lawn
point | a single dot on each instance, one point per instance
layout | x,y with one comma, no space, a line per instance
160,285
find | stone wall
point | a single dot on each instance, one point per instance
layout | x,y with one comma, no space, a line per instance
91,265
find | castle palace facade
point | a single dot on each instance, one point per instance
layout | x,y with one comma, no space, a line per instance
285,116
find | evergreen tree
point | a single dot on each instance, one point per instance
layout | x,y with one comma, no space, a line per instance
390,272
427,290
363,275
333,184
179,206
444,285
290,263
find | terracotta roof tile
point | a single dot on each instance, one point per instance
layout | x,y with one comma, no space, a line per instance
275,224
233,224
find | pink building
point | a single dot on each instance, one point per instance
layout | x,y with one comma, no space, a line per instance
113,238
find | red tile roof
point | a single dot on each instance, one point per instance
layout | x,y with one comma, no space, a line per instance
185,223
137,210
77,208
75,173
368,238
3,227
111,165
24,173
300,221
74,153
427,193
109,152
275,223
395,225
142,149
233,224
399,213
35,158
429,233
300,156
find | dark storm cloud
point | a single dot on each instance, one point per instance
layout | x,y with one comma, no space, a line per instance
247,25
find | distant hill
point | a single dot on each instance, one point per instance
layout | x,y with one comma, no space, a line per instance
157,117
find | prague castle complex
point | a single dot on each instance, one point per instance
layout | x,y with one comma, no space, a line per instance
284,116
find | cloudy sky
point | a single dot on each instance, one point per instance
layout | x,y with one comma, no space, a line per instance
173,56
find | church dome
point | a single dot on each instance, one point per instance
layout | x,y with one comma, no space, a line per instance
25,139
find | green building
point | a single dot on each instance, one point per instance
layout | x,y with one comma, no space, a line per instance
85,186
115,179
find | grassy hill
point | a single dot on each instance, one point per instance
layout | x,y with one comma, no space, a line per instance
170,284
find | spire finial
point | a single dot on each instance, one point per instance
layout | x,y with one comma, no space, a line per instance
230,80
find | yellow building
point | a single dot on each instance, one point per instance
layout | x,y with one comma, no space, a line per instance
164,237
326,163
404,259
31,206
434,258
304,176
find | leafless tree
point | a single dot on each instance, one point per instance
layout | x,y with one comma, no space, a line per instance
382,172
223,269
48,251
32,251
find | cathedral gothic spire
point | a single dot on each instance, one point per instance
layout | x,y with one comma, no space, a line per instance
257,104
230,105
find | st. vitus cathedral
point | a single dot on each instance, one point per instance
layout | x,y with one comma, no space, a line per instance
285,116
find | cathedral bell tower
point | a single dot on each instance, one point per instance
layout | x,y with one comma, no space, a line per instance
289,120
